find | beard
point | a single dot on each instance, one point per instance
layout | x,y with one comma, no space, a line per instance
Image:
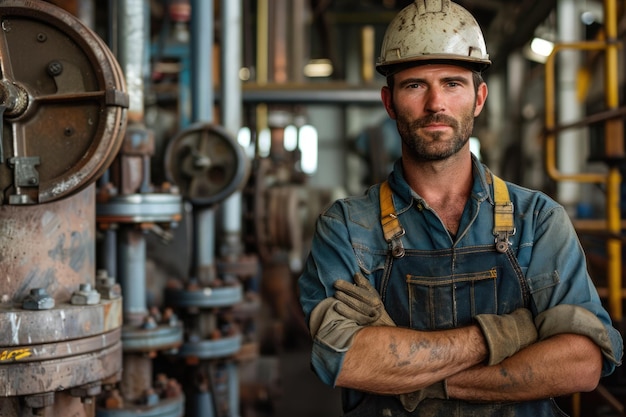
434,146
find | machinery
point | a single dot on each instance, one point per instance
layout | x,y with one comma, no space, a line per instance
64,108
149,256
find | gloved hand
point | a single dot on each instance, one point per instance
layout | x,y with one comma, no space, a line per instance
361,302
411,400
507,334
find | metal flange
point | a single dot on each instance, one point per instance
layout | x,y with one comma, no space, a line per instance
212,349
206,297
140,208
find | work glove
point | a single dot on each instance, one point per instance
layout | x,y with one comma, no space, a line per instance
330,328
568,318
362,303
507,334
411,400
335,320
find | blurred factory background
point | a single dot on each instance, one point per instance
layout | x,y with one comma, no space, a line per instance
163,163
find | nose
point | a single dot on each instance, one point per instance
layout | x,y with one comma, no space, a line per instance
434,101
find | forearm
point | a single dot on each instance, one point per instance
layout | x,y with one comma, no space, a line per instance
561,365
392,360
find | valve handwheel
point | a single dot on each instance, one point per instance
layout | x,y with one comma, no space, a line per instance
64,103
206,163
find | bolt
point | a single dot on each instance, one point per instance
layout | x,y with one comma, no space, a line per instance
38,299
170,317
114,400
39,401
42,37
85,296
149,323
87,392
201,161
55,68
107,287
151,397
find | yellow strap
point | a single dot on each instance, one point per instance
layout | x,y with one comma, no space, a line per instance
388,217
503,224
503,213
392,229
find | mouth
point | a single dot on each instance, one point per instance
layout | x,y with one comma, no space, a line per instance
436,126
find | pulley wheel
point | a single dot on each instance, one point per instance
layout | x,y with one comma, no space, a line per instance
64,103
206,163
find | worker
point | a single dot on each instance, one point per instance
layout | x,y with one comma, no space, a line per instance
444,290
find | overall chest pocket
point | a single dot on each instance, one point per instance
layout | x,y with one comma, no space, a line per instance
445,302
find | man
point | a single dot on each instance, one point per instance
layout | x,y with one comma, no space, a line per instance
445,291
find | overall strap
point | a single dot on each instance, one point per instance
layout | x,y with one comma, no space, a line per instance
392,229
503,225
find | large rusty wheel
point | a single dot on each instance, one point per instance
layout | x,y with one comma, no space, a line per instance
64,103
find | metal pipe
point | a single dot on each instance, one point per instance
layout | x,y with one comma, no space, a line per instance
131,54
231,109
204,243
132,274
614,149
262,62
570,143
201,63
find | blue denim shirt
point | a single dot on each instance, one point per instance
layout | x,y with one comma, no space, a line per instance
349,238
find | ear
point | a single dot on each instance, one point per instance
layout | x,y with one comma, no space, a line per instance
481,97
387,98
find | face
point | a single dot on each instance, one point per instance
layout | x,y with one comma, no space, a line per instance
434,107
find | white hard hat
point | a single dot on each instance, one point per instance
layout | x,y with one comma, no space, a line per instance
433,30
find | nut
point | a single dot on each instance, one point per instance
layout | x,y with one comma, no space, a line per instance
38,299
85,296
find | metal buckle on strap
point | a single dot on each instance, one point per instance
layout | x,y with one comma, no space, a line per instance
397,248
392,229
504,226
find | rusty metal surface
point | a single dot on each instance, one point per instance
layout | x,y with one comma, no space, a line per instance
23,328
59,374
64,405
70,129
50,246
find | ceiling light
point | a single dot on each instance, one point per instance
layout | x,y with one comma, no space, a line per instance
542,47
318,68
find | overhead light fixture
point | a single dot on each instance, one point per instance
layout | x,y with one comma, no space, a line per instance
538,50
317,68
542,46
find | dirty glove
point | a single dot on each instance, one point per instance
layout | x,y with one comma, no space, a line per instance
411,400
335,320
567,318
507,334
330,328
361,302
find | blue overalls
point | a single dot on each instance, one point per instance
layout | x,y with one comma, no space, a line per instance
442,281
446,289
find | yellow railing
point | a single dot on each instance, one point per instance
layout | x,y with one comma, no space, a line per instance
614,151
